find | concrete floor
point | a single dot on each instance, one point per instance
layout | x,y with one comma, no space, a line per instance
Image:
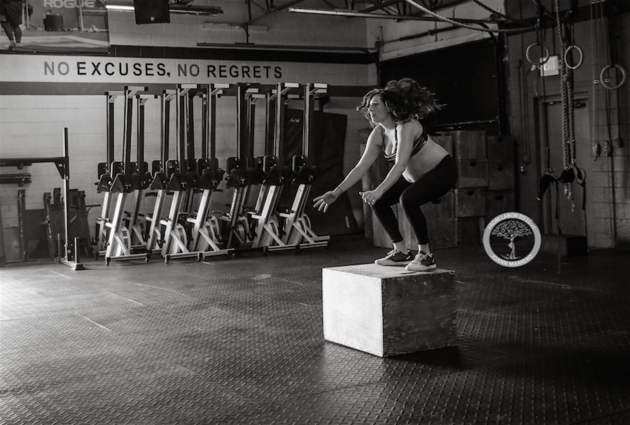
240,341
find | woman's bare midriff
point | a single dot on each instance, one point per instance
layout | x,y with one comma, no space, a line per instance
424,161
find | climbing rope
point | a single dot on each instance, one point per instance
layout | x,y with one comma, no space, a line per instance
570,42
566,98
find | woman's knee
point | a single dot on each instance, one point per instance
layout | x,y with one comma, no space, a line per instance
411,199
380,205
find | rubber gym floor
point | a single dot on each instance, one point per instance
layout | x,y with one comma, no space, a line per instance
240,341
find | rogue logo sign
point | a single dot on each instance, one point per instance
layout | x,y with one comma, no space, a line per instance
69,4
512,239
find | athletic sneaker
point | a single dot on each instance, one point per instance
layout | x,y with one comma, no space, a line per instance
423,262
395,258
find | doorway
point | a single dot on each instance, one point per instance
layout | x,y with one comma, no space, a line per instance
560,214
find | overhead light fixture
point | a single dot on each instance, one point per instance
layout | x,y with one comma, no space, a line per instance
119,7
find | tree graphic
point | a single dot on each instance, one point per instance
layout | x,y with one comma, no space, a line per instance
510,230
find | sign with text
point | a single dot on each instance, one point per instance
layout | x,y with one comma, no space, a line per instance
86,69
159,69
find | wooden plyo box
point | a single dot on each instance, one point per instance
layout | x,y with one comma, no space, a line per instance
472,173
500,148
386,311
469,144
500,175
470,202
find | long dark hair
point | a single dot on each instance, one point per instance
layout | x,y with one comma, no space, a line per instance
404,99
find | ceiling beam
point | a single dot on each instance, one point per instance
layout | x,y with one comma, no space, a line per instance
270,11
285,47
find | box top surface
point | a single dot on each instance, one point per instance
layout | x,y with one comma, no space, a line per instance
374,270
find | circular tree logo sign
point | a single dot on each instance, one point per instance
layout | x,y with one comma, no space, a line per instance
512,239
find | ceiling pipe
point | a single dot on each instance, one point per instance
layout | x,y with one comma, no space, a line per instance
350,14
195,10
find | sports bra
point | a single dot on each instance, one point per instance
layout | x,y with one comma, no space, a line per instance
418,144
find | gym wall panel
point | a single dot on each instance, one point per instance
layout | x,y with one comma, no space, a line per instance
13,115
17,103
22,129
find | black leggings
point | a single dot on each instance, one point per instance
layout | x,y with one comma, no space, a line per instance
12,12
431,186
9,31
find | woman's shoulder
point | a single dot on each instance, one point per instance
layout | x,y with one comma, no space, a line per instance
411,126
411,122
377,134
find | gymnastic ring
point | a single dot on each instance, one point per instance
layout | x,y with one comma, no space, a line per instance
606,68
543,60
566,53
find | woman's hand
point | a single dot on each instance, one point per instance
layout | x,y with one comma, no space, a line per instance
322,202
370,196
